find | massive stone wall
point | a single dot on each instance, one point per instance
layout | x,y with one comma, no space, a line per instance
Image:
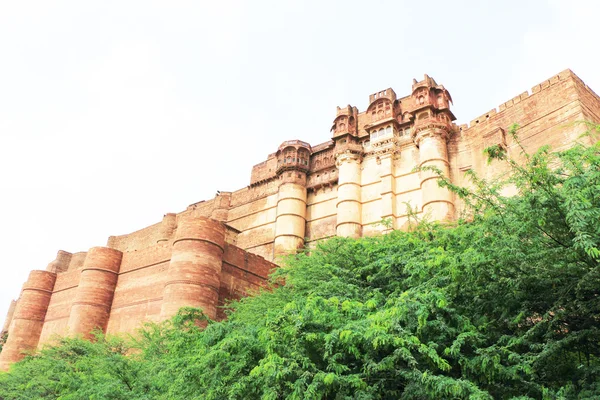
185,260
362,181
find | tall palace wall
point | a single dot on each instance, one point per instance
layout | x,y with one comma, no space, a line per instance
224,248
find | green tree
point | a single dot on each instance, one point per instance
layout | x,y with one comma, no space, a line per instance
3,338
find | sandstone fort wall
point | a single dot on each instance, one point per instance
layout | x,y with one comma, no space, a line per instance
364,180
185,260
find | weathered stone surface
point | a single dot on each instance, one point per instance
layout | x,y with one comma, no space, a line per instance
222,248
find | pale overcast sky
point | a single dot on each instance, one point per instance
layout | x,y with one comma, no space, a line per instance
113,113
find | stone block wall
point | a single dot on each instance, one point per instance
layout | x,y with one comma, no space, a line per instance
365,174
185,260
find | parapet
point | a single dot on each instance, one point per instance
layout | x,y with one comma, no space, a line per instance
61,263
348,110
383,94
535,90
426,82
264,171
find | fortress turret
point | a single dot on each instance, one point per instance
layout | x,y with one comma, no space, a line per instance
348,157
345,122
293,159
28,318
95,292
385,122
194,274
432,129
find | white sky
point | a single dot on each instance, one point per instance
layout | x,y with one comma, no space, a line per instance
113,113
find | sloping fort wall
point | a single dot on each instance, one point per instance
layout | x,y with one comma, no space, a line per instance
185,260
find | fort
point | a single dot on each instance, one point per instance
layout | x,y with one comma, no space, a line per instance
224,248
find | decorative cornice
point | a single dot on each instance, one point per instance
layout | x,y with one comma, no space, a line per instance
385,147
348,151
347,156
430,128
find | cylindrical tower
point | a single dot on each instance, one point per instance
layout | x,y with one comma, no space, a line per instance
194,274
432,128
433,152
290,224
349,207
95,292
28,319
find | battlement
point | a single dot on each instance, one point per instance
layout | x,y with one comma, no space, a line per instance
322,146
537,90
294,143
348,110
383,94
426,82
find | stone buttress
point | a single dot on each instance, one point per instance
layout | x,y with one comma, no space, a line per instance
93,300
348,159
28,318
193,277
432,129
293,159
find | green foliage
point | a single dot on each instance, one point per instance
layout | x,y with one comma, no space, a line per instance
3,338
504,306
387,223
75,369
